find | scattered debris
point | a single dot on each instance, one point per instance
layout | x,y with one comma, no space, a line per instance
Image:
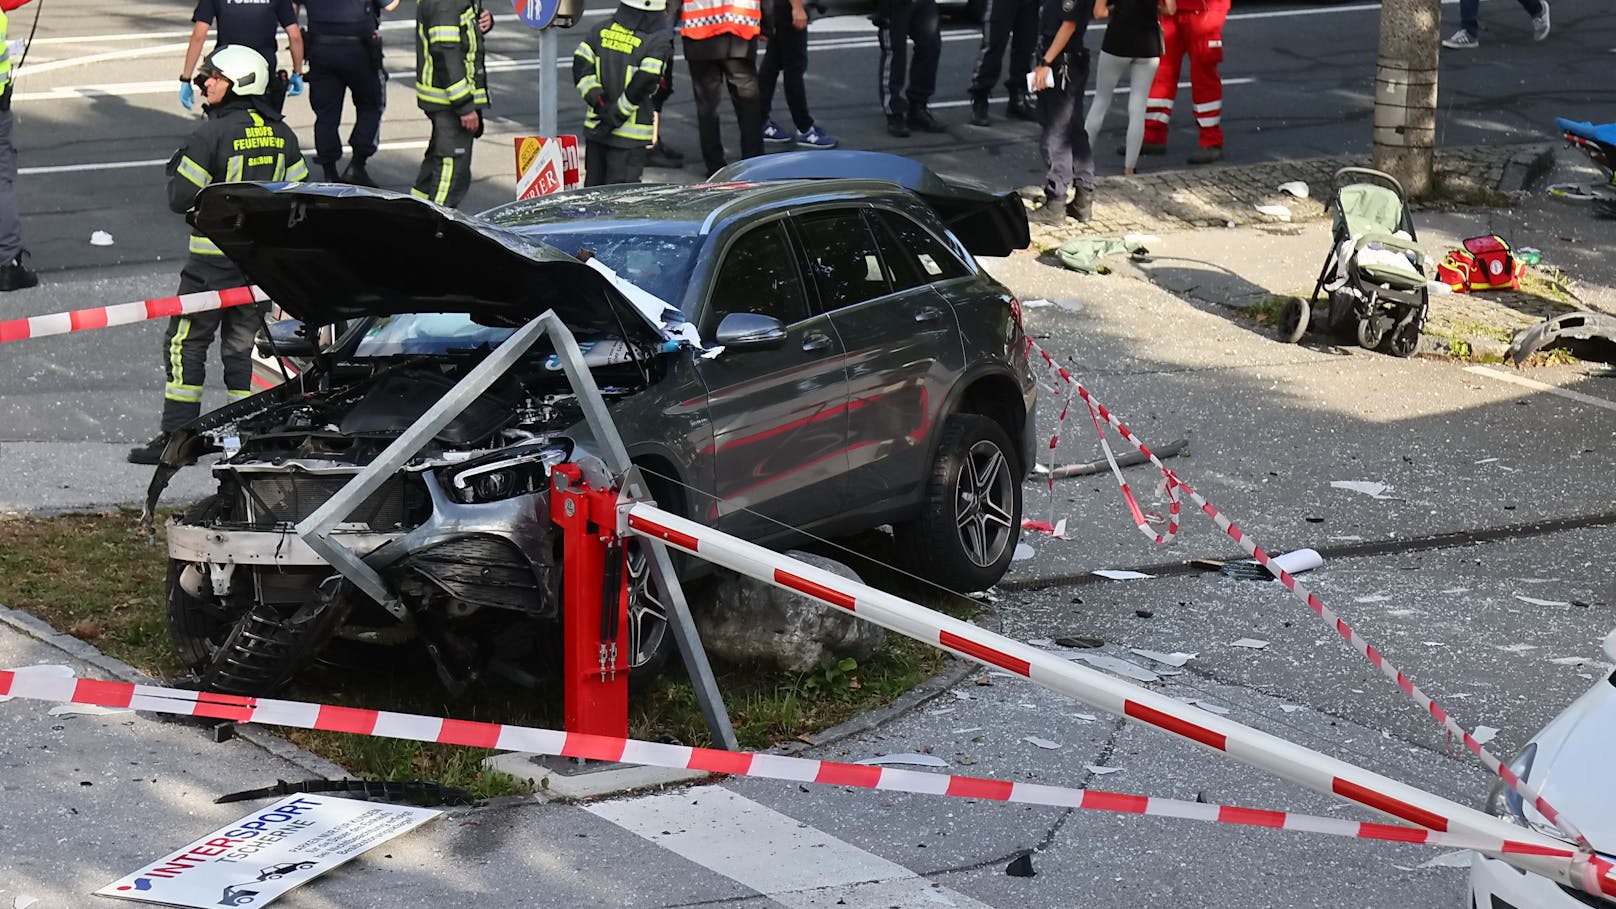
100,238
1101,771
941,711
907,758
1483,734
1175,659
1040,642
968,730
422,793
962,695
1118,666
1537,602
1517,647
1367,487
1117,574
23,901
1045,744
1291,708
1128,459
1459,859
1085,717
1020,866
1035,304
1080,643
1295,562
1056,530
86,710
1022,553
1277,212
1253,643
1372,598
1294,188
1208,706
1143,613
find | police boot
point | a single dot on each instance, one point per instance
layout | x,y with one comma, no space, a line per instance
1050,214
357,175
329,172
979,110
16,275
920,118
1081,208
1020,107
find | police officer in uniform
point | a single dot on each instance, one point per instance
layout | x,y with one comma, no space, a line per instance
452,87
345,56
244,138
619,68
1013,24
250,23
907,84
1060,76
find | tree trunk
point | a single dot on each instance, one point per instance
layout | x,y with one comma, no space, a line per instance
1405,92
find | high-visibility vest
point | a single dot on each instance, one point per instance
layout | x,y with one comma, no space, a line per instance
5,55
711,18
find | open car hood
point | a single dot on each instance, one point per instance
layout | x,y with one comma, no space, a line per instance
326,253
988,223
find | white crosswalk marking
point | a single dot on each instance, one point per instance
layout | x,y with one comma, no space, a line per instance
778,856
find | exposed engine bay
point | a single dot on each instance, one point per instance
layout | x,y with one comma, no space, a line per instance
461,534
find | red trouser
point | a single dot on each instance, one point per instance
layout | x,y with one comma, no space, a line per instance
1200,33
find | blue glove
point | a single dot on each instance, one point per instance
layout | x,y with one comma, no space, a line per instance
187,95
295,87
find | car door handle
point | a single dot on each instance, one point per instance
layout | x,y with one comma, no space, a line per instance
929,314
816,341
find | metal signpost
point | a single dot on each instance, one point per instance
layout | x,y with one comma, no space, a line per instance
544,15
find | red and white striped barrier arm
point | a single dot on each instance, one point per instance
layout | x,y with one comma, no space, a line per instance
68,689
1313,769
1100,413
62,323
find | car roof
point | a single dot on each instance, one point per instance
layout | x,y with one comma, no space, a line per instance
702,206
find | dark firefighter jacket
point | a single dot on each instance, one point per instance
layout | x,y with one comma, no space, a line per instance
242,139
449,73
618,67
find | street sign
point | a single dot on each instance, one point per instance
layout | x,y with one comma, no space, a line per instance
536,13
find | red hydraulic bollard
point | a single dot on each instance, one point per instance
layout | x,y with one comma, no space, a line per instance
594,606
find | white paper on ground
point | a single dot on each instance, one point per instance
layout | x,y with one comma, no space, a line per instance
100,238
1022,553
311,835
1120,667
1117,574
1035,303
1045,744
1537,602
1294,188
86,710
1278,212
917,760
1175,659
1298,561
1253,643
1101,771
1290,708
1367,487
1483,734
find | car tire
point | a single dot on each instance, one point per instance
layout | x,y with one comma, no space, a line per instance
197,627
647,616
971,517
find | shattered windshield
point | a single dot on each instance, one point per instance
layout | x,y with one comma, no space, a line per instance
657,263
426,333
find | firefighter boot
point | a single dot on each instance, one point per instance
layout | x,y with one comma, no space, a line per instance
1050,214
1081,208
979,111
149,453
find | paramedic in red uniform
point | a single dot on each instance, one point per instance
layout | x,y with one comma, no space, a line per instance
1196,29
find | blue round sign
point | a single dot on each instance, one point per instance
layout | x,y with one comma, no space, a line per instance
536,13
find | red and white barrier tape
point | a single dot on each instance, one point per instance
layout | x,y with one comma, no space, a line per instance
379,723
62,323
1172,483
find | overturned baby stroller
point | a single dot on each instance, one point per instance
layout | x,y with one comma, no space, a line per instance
1375,273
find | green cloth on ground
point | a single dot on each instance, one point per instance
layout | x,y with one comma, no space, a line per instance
1084,253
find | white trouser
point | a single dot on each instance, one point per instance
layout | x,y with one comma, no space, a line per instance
1140,70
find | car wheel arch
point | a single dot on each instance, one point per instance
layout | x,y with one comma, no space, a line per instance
992,394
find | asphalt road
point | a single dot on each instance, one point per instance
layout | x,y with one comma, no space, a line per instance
1272,427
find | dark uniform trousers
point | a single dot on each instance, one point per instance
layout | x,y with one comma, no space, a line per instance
714,62
186,343
1012,23
446,169
906,83
341,64
1066,143
605,164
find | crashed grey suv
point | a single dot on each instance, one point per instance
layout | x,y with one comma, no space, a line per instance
803,346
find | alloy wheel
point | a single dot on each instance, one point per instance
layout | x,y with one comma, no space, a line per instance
984,502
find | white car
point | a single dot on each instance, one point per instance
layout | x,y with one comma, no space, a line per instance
1569,761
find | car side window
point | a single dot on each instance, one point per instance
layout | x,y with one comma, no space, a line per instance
842,258
924,252
760,275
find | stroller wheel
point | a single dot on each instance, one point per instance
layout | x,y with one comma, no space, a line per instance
1371,332
1293,320
1401,341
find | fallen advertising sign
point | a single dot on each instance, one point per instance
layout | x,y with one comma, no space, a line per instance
268,852
546,165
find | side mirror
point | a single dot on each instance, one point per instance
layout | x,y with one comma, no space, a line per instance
1610,646
750,331
289,340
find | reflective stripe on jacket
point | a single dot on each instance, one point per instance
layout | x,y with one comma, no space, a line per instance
710,18
240,141
449,74
619,65
5,57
